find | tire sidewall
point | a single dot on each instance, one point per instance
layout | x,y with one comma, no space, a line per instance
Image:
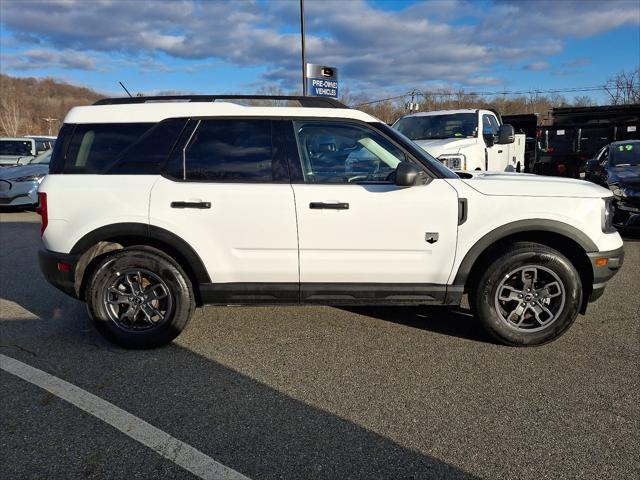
490,280
171,274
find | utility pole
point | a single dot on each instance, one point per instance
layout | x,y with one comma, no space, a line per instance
304,80
49,120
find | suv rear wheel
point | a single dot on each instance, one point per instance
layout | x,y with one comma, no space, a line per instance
529,295
139,298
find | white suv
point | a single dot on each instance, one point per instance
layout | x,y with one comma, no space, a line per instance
154,206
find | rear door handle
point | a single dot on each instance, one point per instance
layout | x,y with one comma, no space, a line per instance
201,205
329,206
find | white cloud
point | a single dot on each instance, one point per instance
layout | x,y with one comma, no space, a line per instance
537,66
420,44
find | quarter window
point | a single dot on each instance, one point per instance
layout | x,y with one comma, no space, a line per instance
345,153
95,147
230,151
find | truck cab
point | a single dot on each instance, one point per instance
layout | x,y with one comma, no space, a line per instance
468,139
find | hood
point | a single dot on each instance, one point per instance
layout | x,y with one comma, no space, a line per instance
526,185
437,147
9,173
10,159
625,176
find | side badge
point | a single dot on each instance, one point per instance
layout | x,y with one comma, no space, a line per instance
431,237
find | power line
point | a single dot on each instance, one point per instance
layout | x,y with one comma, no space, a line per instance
502,92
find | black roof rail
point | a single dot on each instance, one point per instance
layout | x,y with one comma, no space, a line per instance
312,102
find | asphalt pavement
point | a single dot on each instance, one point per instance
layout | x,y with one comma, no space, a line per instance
320,392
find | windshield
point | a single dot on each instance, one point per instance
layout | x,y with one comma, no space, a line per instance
15,147
428,127
42,159
625,154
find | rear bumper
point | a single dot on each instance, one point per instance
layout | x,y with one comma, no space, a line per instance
602,274
59,270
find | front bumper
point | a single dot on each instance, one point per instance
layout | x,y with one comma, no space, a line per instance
18,194
59,270
627,213
603,273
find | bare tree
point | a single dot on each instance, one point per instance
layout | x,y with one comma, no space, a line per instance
10,120
624,88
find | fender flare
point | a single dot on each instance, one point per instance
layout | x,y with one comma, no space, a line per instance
520,226
151,232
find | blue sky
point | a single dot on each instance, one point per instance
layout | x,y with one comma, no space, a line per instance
381,47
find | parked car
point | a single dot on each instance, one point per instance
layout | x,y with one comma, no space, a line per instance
19,184
156,205
17,151
43,142
617,167
466,139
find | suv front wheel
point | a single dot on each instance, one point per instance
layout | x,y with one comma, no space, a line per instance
139,298
529,295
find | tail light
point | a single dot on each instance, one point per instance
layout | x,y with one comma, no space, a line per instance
550,149
42,211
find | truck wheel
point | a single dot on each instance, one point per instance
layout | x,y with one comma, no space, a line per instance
528,296
139,298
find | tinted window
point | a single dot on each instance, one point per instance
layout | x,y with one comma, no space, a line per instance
230,151
94,148
425,127
345,153
147,155
15,147
625,154
489,125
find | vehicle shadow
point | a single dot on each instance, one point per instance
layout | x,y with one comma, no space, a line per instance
240,422
452,321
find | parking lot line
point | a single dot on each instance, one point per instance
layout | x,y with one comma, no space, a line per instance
169,447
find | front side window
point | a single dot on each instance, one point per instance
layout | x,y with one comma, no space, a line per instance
345,153
230,151
489,125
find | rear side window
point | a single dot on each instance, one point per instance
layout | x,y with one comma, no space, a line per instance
230,151
94,148
148,154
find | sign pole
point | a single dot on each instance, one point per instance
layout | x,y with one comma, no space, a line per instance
304,82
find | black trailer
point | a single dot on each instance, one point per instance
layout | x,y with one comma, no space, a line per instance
578,133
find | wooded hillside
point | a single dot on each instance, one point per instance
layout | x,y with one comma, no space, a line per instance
25,103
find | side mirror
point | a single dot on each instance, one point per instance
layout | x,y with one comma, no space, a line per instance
591,165
406,174
506,134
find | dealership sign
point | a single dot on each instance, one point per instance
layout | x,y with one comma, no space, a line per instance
322,81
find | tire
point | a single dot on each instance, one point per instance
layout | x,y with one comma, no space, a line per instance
127,310
517,317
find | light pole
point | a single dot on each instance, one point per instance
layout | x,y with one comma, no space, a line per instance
304,82
49,120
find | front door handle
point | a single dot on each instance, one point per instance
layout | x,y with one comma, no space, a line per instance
201,205
329,206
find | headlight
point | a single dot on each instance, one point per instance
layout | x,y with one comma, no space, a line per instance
617,190
455,161
607,215
29,178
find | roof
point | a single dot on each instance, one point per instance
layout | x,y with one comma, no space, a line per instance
443,112
624,142
158,111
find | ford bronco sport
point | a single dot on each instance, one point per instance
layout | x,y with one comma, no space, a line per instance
157,205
